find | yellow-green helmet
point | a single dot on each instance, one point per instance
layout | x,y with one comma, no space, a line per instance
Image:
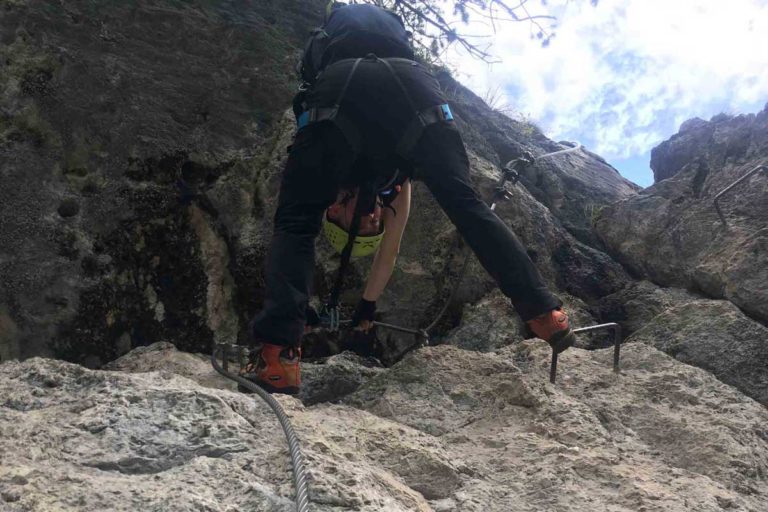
363,245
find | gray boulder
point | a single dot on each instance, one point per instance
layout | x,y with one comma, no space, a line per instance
671,233
491,324
163,356
332,378
446,429
638,303
715,143
716,336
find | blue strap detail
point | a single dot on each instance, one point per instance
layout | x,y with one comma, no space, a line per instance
446,112
302,120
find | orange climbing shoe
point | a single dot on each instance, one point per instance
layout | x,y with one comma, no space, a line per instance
553,328
274,368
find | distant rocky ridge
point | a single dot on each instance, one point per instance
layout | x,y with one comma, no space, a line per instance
720,142
671,233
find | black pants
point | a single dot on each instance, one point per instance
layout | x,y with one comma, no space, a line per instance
321,161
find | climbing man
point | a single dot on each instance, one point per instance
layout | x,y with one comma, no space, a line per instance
370,119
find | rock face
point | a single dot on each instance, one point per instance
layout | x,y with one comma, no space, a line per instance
715,144
444,430
130,139
671,233
141,151
574,187
716,336
638,303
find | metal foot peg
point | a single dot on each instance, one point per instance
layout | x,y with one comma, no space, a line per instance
330,320
616,347
762,167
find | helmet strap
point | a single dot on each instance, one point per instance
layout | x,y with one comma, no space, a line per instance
346,254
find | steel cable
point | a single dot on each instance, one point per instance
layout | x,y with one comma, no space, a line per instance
297,458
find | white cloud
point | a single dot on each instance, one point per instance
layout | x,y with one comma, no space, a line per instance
622,76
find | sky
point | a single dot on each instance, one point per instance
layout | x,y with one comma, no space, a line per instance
620,77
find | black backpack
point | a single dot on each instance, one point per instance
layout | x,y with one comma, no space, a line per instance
352,31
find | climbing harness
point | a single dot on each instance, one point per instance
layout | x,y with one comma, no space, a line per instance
224,350
421,119
331,308
729,187
330,318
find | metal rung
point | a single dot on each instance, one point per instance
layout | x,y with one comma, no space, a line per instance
616,347
729,187
421,333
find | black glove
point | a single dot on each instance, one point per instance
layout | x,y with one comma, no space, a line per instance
365,310
358,341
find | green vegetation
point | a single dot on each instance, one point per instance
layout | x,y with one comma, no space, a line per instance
26,71
27,124
592,212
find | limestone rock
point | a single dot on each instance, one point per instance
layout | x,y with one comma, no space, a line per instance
671,233
716,336
638,303
112,441
448,396
332,378
164,356
491,324
574,186
323,380
488,325
445,429
130,137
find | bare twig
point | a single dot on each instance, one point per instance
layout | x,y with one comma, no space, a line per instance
443,32
447,31
528,17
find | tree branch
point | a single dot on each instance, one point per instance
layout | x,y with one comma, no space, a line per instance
446,30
